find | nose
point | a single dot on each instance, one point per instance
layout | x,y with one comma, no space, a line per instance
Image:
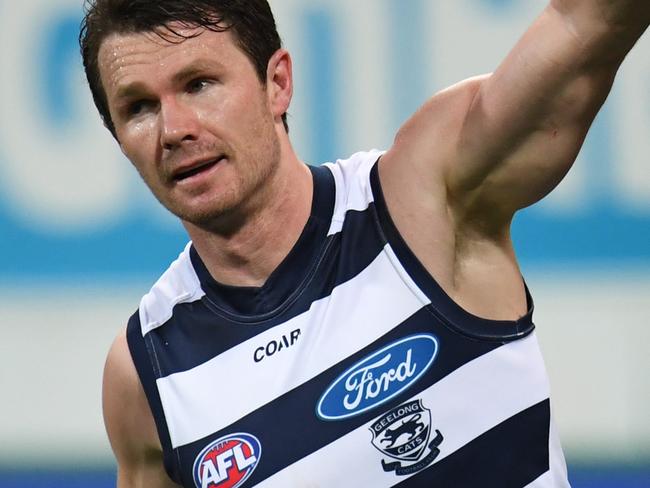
179,124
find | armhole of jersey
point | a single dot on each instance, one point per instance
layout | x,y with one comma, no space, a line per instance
442,305
143,365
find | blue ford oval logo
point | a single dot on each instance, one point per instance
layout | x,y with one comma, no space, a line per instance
378,378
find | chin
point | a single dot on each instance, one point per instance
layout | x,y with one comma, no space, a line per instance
213,216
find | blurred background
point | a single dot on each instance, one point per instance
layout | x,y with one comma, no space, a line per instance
81,240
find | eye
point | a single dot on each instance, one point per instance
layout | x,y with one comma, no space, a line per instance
138,107
195,86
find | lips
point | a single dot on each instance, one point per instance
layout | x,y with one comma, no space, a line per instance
187,171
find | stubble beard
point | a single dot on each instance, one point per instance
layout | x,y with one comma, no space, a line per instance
227,212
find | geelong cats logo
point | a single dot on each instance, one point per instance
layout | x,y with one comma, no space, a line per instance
403,433
378,378
227,462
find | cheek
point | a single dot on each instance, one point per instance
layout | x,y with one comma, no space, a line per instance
233,108
139,144
211,103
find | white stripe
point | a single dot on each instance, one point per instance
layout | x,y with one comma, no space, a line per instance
215,394
352,180
179,284
558,463
464,405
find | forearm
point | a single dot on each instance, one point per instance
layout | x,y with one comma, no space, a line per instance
611,12
606,29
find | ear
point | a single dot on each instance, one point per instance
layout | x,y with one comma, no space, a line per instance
279,82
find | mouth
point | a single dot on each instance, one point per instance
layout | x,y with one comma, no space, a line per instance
194,169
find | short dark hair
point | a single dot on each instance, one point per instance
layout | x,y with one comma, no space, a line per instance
251,22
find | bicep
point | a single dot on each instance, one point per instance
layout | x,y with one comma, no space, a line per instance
526,122
493,144
129,423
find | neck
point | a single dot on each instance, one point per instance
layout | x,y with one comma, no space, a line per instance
247,253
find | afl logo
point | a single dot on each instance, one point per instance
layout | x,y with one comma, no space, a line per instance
378,378
227,462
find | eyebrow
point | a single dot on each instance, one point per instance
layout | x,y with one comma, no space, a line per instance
197,67
131,90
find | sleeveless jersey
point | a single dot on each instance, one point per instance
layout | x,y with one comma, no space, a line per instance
349,367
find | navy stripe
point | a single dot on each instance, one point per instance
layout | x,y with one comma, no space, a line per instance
455,316
511,455
199,331
143,365
295,431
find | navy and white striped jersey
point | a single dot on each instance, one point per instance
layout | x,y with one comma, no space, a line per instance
349,367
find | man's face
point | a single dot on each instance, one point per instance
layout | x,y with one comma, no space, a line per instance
194,119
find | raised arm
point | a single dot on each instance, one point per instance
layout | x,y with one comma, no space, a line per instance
480,150
129,423
503,141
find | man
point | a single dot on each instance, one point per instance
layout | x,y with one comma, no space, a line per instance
364,323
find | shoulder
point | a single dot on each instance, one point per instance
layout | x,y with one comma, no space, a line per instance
428,149
434,133
127,414
129,423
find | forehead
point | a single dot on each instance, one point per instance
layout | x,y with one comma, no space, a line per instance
123,56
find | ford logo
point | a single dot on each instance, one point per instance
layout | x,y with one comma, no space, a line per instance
378,378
